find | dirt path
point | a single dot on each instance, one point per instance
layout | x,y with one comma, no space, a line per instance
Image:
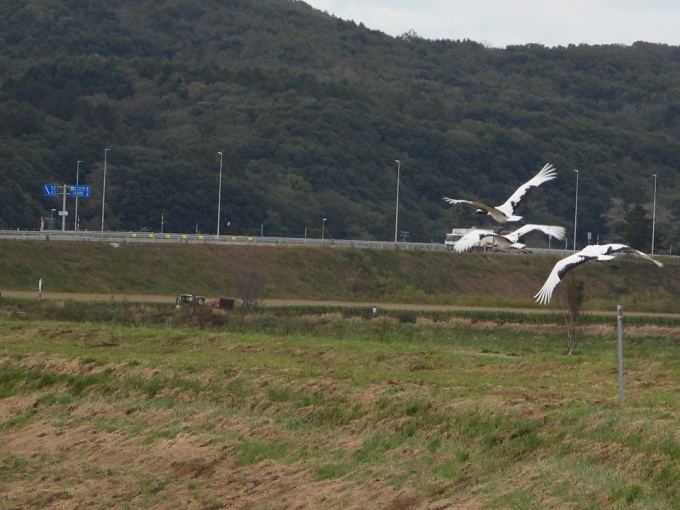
62,296
146,298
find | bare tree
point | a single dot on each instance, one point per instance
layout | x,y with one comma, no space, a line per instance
575,295
615,217
252,289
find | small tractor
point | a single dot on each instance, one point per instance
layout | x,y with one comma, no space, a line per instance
195,300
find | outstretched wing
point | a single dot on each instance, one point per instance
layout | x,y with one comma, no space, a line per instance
559,270
638,253
550,230
471,239
479,205
494,212
546,173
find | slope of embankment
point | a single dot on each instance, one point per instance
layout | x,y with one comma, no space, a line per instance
327,273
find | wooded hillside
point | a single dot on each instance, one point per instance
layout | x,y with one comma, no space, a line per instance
311,112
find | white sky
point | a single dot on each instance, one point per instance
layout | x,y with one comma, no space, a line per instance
500,23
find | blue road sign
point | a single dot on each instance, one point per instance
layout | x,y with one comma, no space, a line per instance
51,190
79,191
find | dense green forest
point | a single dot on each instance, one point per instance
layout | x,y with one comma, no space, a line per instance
310,113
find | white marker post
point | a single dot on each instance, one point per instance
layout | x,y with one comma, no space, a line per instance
40,289
619,324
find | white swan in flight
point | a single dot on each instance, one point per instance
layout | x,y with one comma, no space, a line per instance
600,252
506,211
506,241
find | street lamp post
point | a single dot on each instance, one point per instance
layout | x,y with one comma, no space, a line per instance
396,214
219,199
654,214
323,228
104,190
63,212
52,219
75,224
575,209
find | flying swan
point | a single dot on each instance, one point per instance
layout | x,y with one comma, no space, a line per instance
506,212
599,252
505,241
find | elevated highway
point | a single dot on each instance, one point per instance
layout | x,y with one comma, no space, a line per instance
166,238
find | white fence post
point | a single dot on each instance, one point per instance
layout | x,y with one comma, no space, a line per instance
619,323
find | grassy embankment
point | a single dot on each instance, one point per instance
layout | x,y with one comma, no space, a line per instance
150,407
327,274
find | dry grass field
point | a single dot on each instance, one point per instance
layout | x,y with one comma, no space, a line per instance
334,411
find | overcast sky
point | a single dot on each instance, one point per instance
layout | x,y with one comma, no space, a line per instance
499,23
